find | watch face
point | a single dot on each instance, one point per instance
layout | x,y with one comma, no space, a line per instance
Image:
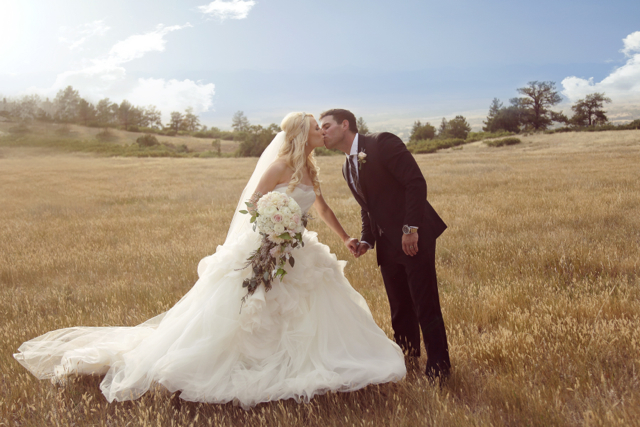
406,229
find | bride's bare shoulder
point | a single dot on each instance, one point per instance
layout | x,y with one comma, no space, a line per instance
278,169
277,173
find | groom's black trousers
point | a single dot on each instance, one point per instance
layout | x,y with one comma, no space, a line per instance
412,288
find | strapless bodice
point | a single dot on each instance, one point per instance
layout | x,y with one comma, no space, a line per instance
302,194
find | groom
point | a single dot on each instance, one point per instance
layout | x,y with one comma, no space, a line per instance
392,192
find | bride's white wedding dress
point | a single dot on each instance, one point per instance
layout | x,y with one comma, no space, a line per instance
312,332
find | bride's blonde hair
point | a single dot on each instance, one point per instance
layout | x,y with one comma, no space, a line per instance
296,127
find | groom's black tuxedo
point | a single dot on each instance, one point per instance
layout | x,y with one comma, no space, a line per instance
394,193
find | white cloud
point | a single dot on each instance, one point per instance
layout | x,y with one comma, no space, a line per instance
106,76
631,44
75,37
137,45
232,9
622,85
173,95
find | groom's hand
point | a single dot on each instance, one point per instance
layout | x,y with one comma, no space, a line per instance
410,244
362,249
352,244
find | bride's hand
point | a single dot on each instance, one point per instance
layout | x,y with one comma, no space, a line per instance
352,244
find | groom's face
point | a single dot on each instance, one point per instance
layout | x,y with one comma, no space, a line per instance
333,131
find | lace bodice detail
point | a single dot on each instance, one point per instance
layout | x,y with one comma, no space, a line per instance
302,194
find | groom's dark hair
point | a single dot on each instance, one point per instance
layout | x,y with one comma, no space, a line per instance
340,115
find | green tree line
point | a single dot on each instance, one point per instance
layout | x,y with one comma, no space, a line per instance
532,111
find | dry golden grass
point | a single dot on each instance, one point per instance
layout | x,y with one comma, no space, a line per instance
539,280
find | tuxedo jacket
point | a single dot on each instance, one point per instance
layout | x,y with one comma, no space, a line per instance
395,193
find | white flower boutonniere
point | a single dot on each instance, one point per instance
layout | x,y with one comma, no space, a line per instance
362,159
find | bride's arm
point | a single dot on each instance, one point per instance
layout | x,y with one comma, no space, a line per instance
329,218
271,177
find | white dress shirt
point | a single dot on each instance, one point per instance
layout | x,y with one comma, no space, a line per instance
354,150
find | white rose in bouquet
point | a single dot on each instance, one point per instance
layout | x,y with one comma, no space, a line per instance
279,220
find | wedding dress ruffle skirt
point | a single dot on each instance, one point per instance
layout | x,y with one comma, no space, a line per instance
311,333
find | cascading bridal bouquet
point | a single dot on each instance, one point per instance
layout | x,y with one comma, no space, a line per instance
280,222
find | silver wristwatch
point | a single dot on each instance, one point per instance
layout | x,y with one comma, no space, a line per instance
409,230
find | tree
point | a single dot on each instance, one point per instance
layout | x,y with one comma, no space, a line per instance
421,132
66,103
46,111
136,117
124,114
362,126
240,123
504,118
256,139
589,111
86,112
190,122
442,130
106,112
458,128
176,120
27,107
494,111
539,96
151,117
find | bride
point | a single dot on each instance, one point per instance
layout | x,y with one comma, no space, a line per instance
311,333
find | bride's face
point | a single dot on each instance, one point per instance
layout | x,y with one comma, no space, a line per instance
316,135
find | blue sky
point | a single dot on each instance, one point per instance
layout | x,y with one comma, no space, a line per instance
392,62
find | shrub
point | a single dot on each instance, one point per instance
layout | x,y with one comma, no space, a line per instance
207,154
480,136
147,140
63,130
182,148
432,145
20,129
106,135
503,141
634,124
217,144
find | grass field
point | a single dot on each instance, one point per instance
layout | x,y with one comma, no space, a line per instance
80,138
539,280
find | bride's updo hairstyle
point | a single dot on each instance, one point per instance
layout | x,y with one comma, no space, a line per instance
296,127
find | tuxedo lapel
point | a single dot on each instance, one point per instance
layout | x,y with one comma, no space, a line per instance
363,171
346,173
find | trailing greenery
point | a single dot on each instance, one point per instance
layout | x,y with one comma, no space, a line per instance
502,142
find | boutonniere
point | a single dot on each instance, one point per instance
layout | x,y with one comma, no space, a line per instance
362,159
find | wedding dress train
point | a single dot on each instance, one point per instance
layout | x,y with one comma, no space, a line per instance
312,332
